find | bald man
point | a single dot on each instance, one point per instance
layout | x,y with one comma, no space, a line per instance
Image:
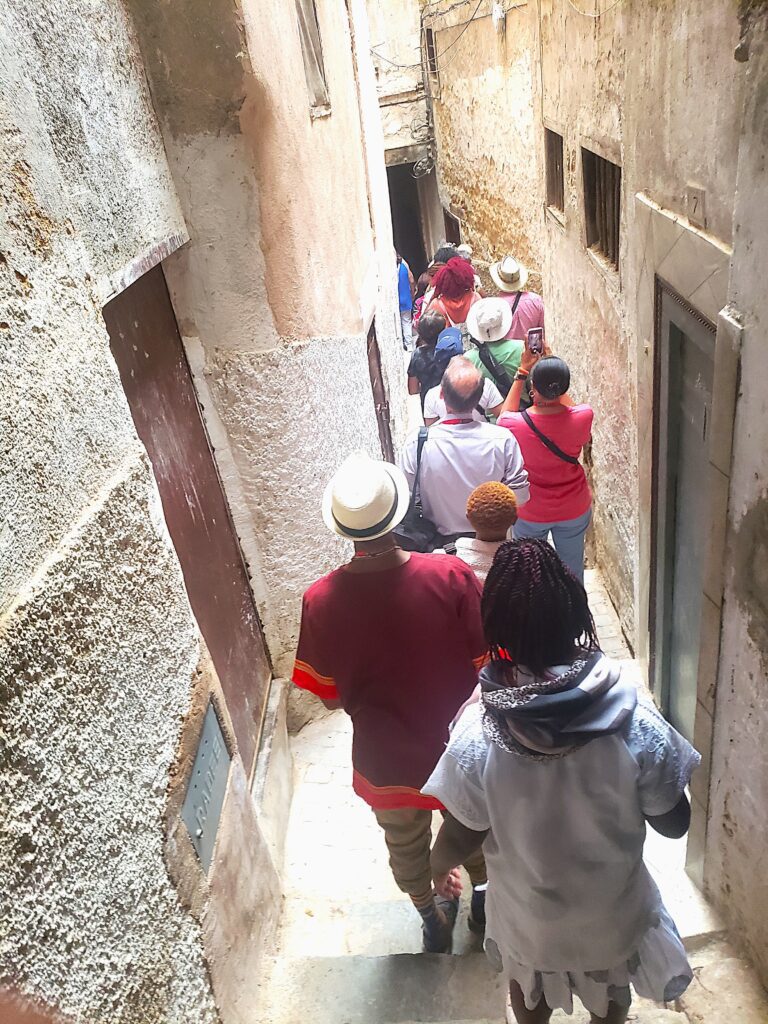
460,454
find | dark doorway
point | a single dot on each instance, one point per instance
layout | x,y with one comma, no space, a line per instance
685,347
158,384
379,396
406,217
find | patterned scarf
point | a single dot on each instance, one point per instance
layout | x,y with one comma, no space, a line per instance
557,714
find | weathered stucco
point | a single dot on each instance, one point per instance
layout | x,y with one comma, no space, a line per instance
82,71
737,837
395,34
96,676
106,913
290,261
640,106
271,428
486,109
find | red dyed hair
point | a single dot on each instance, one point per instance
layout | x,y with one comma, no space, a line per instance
455,279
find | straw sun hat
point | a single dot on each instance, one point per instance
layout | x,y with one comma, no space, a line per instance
365,498
508,275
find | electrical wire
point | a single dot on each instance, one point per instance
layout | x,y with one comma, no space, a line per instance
437,56
599,14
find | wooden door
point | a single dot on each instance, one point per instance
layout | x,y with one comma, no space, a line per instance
158,384
685,373
379,396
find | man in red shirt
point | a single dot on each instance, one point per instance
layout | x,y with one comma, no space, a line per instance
396,639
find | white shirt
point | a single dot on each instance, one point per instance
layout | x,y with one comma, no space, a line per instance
457,458
568,890
478,554
434,406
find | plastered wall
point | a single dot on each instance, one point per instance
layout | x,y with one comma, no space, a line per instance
486,103
580,77
106,914
395,30
290,260
737,835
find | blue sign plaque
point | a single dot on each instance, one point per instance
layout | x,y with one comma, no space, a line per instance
207,784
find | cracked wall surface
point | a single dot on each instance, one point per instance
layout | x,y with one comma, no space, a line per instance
105,914
737,834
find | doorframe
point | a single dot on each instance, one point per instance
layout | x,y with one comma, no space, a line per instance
379,392
715,490
660,450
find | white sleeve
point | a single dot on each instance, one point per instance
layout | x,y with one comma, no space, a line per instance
457,780
432,404
491,396
515,475
665,759
407,459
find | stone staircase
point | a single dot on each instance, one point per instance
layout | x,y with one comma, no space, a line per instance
349,947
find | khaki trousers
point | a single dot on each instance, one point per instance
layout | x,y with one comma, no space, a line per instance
408,835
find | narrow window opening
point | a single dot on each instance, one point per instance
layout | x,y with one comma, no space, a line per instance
312,52
452,228
431,52
555,175
602,205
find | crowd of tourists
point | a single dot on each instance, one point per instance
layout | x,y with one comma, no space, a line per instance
461,643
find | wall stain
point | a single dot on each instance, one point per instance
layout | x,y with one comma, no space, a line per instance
750,581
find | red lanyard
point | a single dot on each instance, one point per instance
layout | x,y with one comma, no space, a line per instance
450,423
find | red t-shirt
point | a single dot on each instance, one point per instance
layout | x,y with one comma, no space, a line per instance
559,489
400,649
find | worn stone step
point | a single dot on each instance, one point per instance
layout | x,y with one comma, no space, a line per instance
392,989
403,988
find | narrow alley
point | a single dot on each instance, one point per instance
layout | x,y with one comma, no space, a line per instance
307,309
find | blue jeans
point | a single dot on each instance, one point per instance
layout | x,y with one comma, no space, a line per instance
567,539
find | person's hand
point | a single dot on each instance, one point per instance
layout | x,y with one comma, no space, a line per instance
528,359
449,885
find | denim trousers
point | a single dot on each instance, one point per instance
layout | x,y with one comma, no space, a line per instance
567,538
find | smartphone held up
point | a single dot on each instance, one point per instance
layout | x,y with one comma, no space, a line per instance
535,341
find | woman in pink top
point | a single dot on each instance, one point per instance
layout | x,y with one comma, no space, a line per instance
551,436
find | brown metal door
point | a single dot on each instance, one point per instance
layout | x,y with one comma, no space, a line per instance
379,396
158,385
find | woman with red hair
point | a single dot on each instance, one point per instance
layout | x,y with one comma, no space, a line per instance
454,291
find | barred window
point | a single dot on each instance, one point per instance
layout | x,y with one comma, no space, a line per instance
602,205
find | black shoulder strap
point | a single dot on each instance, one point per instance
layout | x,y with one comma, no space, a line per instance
423,431
516,303
548,440
494,367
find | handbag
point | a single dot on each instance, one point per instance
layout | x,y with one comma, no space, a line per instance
415,532
548,441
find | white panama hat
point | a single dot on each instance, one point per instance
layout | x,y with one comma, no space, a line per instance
489,319
365,498
508,275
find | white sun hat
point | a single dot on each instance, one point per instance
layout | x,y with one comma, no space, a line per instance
489,319
508,275
365,498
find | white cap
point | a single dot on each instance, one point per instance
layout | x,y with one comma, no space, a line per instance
489,319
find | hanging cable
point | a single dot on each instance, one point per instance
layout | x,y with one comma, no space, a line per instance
598,14
436,58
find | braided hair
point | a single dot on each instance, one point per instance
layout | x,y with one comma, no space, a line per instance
535,611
